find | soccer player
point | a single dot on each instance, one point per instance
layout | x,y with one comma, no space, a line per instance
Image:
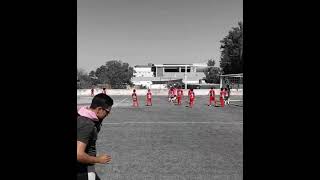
212,97
104,91
179,95
92,91
170,94
222,94
191,97
227,96
174,91
149,98
135,98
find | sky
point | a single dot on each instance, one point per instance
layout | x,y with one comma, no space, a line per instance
139,32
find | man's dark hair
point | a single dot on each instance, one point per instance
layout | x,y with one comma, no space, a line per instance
101,100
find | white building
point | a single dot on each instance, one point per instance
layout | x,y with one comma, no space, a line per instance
142,71
188,73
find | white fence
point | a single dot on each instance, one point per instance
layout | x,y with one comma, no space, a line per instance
155,92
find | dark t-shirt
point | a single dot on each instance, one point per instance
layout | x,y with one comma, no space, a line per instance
87,132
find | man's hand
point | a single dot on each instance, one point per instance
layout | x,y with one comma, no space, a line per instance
103,159
83,157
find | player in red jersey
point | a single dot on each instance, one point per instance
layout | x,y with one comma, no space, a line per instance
170,95
212,97
149,98
175,90
222,95
179,95
191,97
135,98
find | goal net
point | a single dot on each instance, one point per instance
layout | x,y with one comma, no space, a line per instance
235,83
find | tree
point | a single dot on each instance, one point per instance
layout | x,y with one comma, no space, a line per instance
212,73
211,62
232,47
93,78
83,79
92,74
116,73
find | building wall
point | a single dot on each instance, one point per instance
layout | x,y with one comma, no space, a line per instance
143,83
143,72
159,71
142,69
192,77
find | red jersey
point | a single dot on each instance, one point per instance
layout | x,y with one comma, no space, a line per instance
174,91
191,95
149,95
222,93
211,92
180,92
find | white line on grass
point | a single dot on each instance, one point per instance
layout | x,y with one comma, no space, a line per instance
119,102
173,122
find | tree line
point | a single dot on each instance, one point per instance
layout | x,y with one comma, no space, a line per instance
231,61
115,73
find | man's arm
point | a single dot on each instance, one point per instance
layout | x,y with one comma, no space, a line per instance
85,158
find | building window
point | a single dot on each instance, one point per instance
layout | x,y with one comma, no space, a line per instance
183,69
171,69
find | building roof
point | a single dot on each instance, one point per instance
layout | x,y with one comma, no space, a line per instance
161,65
188,65
142,66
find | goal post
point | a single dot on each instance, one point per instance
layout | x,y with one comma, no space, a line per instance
235,83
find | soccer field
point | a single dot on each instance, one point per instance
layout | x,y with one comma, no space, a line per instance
171,142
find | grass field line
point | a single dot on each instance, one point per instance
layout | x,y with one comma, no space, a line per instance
119,102
172,122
